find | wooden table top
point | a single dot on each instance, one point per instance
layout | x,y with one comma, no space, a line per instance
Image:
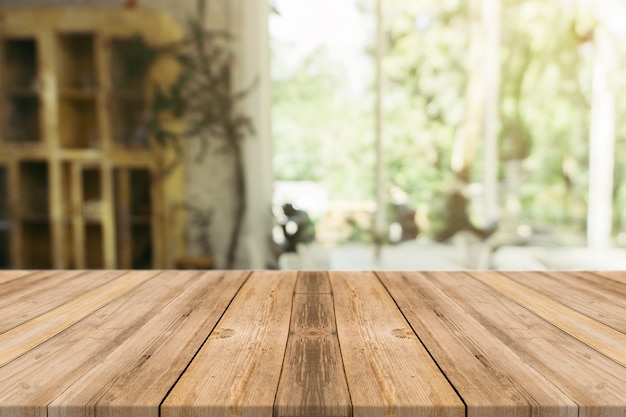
240,343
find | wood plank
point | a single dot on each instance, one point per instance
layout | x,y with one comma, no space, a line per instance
136,376
593,381
33,380
491,379
109,255
388,370
594,296
313,381
122,203
10,275
312,282
45,280
236,372
47,294
619,276
78,220
601,337
25,337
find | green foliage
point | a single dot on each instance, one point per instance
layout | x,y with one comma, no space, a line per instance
546,52
202,96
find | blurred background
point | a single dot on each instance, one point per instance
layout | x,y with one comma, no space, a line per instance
301,134
502,118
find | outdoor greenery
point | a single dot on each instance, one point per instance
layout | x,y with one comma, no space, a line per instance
547,50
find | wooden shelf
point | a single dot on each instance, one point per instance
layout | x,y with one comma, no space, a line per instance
81,127
76,162
128,70
20,63
129,121
77,94
36,240
34,190
77,65
5,248
21,118
4,193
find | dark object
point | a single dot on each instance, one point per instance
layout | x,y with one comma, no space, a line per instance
456,219
297,227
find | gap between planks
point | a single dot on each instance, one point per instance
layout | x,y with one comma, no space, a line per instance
600,337
26,336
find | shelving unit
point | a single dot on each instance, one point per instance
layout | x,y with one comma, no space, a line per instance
5,221
76,162
21,101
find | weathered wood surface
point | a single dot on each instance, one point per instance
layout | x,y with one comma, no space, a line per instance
237,343
388,370
313,382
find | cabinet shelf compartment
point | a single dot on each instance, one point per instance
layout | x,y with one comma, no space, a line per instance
21,118
34,190
129,118
92,195
141,252
80,126
4,194
5,221
20,64
5,248
77,65
129,64
140,194
93,246
134,217
36,248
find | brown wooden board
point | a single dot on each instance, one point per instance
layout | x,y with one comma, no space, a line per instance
587,293
52,289
8,275
133,379
618,276
601,337
592,380
75,340
313,381
236,373
388,370
312,282
21,339
491,378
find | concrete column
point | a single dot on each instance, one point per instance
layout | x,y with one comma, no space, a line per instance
492,17
250,24
601,143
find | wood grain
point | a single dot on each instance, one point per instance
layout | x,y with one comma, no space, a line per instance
313,381
240,343
8,275
593,381
388,370
33,380
14,288
133,379
50,290
587,293
236,372
601,337
491,379
618,276
312,282
23,338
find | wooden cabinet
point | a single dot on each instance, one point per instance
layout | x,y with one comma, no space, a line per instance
80,180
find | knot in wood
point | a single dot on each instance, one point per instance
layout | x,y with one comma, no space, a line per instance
312,333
